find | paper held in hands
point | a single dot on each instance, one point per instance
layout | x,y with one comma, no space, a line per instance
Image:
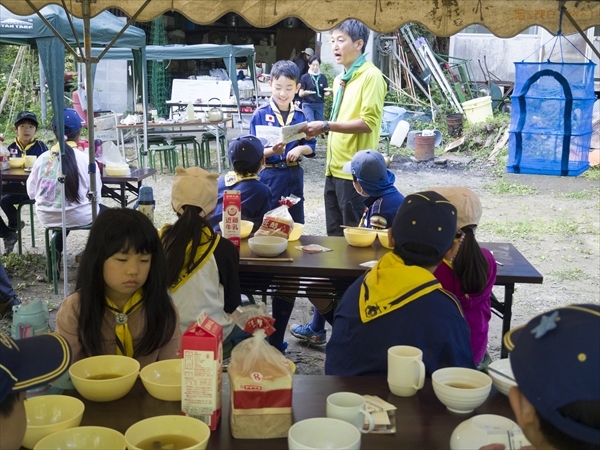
275,135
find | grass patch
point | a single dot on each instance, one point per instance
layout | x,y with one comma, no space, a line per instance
593,173
24,266
503,187
573,274
586,194
537,229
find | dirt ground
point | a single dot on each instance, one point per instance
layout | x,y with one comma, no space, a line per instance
553,222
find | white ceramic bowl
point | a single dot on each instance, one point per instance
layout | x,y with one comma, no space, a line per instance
296,232
245,228
268,245
485,429
323,432
92,377
358,237
83,438
162,379
501,383
155,427
16,162
48,414
461,389
116,170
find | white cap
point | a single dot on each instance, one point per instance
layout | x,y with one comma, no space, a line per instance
309,51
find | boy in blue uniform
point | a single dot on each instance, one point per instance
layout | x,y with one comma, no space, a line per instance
375,183
25,144
247,158
399,301
283,173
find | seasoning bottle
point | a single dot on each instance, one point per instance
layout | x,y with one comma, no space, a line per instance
190,111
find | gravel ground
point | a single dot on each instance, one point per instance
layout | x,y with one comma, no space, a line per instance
553,221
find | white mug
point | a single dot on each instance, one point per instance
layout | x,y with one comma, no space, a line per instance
406,371
351,408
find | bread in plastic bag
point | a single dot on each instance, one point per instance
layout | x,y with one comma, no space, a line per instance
278,221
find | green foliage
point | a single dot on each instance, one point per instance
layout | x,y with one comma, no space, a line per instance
593,173
328,71
24,266
503,187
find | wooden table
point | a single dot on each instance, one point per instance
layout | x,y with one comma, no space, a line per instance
422,422
342,266
115,187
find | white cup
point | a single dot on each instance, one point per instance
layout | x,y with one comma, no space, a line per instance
30,161
323,432
351,408
406,371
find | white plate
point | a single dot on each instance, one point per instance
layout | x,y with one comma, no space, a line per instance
487,429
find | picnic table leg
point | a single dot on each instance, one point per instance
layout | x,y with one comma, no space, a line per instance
509,290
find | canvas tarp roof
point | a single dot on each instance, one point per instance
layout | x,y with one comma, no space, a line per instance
201,51
504,18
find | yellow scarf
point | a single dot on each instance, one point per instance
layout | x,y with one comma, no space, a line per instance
391,284
124,338
203,253
232,178
24,147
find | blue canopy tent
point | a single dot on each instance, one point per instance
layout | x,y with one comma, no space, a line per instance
51,31
227,52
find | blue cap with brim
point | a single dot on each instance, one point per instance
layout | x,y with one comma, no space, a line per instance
555,359
31,362
72,121
248,149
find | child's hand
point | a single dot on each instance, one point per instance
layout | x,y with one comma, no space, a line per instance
278,149
294,154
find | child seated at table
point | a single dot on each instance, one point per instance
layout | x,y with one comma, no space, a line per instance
26,364
25,144
202,267
399,301
121,303
246,154
373,181
469,271
57,178
555,360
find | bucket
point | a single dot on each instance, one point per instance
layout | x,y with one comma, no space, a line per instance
391,116
424,147
455,124
410,139
478,109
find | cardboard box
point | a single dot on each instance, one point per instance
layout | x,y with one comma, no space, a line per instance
202,373
232,216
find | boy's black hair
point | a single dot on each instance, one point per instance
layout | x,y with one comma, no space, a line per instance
285,68
356,30
416,254
585,412
31,122
242,168
8,405
313,59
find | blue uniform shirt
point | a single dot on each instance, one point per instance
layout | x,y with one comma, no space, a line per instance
283,179
380,212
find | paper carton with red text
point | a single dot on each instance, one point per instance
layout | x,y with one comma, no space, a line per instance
232,216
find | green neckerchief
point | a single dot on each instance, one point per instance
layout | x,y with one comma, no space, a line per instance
391,284
315,79
344,80
232,178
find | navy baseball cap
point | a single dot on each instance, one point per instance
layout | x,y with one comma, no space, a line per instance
367,165
26,115
425,218
72,121
555,359
247,149
31,362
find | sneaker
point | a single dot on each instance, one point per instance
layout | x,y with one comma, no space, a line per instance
306,333
284,346
6,308
9,242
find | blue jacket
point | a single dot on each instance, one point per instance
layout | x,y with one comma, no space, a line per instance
433,323
284,180
380,212
36,149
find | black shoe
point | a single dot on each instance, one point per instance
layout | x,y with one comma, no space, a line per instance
6,308
13,227
9,242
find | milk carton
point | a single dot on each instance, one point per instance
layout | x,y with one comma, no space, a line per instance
232,216
202,369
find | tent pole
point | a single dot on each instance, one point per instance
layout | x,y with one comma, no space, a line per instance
42,89
563,8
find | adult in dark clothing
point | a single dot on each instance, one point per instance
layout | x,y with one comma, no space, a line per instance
313,90
301,60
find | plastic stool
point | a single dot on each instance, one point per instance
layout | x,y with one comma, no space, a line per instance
183,141
51,251
19,232
152,140
170,154
205,147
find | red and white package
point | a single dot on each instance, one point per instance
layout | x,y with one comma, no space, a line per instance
278,221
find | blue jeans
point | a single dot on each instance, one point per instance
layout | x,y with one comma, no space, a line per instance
313,111
6,290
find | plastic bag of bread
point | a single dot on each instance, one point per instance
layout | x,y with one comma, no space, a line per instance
260,378
278,221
